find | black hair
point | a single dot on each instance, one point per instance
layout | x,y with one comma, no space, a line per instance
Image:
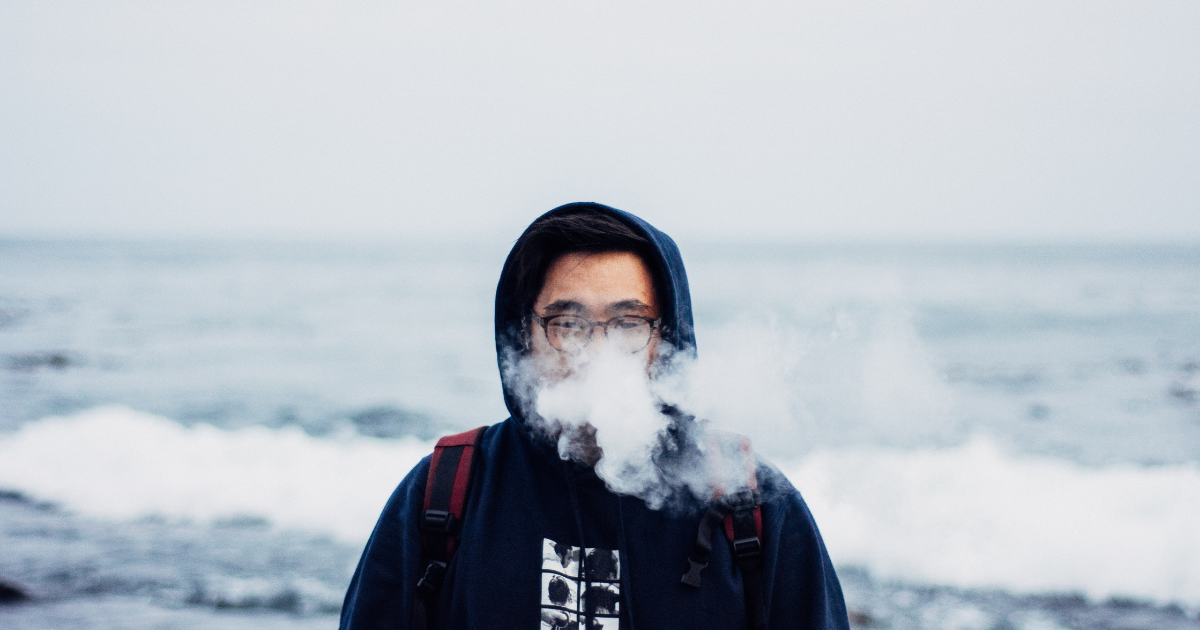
572,231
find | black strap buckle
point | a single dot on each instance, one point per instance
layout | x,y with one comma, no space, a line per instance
744,499
438,522
429,583
692,577
747,549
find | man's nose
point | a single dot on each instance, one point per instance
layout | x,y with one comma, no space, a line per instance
597,340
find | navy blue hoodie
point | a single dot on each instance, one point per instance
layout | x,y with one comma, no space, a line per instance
533,519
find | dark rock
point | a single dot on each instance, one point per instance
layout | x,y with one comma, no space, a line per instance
1127,602
288,601
56,360
859,619
13,495
1183,393
247,603
11,594
1059,601
389,422
32,361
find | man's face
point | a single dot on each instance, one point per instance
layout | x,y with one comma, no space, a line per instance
595,287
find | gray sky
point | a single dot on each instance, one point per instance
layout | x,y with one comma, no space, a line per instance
841,119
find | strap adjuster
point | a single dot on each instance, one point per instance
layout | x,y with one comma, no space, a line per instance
744,499
747,548
438,522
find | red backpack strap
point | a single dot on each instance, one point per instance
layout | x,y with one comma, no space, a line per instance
740,515
749,507
743,528
446,490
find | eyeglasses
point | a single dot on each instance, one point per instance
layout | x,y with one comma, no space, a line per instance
571,333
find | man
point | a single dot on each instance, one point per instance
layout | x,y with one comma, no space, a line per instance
544,542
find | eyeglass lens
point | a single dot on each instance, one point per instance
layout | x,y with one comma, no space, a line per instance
569,333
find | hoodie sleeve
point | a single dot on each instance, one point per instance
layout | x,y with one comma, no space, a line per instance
383,588
801,588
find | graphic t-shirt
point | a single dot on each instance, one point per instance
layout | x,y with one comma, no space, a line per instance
580,590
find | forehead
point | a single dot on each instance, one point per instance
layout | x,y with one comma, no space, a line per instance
598,279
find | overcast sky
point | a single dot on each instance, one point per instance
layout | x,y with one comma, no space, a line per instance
741,120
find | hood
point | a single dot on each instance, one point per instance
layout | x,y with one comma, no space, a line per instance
666,267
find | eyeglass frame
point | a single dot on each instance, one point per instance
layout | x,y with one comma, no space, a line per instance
655,325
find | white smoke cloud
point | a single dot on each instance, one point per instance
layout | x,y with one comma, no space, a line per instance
637,430
610,393
788,388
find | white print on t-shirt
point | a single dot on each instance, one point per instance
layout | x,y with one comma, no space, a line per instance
580,591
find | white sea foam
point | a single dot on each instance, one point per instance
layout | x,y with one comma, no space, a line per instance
117,463
971,515
976,516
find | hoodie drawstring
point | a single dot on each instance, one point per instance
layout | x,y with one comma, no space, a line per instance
622,551
575,509
623,554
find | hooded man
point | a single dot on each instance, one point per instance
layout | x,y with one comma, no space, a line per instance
564,525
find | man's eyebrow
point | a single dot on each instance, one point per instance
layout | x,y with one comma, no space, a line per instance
565,306
628,305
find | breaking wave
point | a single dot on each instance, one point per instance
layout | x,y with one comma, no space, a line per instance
977,516
116,463
972,515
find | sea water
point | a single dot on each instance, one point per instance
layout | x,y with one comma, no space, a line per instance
202,434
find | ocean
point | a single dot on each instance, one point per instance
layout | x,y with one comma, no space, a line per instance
202,434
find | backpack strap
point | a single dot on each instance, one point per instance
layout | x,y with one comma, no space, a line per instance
739,514
743,528
446,492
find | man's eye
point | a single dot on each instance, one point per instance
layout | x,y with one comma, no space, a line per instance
567,324
628,323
